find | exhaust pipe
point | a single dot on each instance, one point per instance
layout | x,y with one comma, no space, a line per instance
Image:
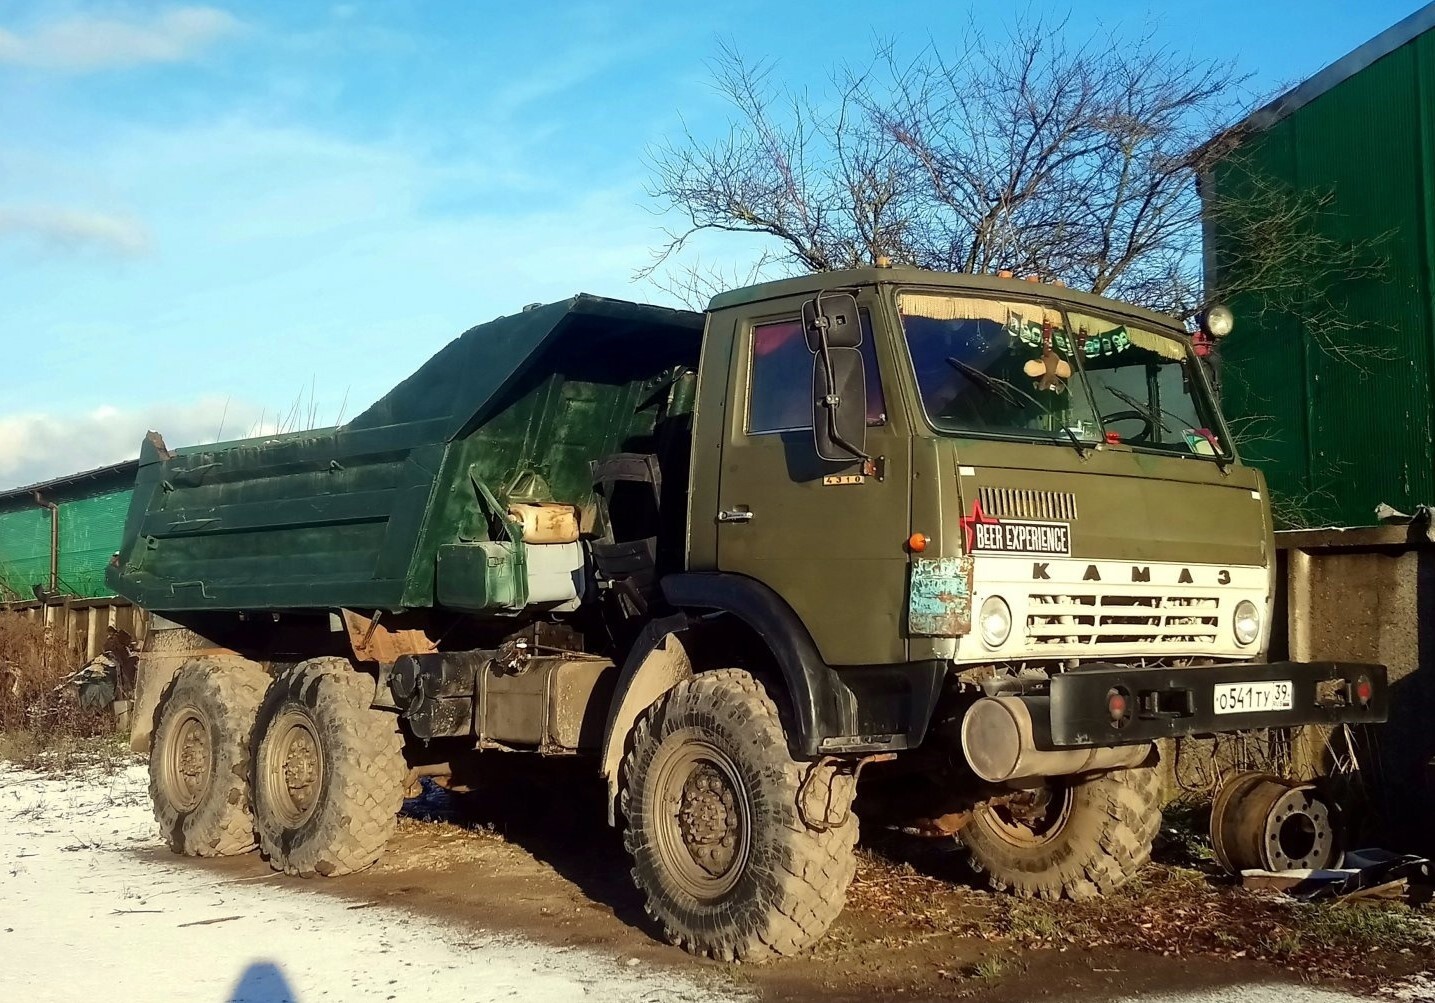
1001,738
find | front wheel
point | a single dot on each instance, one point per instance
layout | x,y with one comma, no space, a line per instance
1072,837
720,849
328,771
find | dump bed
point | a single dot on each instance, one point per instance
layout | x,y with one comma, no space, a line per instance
356,515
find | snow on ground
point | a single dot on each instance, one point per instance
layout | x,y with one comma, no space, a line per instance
82,917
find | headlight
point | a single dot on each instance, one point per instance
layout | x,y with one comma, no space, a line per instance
1246,624
995,621
1219,321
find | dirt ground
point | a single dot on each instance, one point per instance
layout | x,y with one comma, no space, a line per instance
530,854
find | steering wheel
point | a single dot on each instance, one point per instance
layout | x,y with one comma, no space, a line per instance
1148,427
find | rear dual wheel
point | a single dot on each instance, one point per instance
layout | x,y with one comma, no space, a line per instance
328,771
199,757
300,765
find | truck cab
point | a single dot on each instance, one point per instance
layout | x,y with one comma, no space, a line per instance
1099,512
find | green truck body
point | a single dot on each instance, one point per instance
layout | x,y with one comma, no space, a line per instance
992,529
366,514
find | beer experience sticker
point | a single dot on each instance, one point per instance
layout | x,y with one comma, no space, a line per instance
989,535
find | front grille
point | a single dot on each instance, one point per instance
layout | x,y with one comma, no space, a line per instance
1097,622
1019,503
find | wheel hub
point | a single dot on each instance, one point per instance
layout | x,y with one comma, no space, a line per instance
295,774
1029,807
1262,822
704,828
301,765
709,820
191,761
1032,817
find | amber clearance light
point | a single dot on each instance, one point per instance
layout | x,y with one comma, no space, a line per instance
917,542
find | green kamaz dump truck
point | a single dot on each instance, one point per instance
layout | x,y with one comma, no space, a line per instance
991,534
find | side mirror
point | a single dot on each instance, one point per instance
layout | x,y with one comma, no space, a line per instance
838,317
839,404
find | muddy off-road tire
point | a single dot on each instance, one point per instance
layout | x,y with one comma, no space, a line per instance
328,771
1092,836
724,859
199,757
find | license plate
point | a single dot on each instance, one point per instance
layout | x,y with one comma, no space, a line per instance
1252,698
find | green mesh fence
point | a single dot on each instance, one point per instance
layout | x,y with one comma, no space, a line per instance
90,530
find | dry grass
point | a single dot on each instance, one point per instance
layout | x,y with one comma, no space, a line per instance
40,716
55,755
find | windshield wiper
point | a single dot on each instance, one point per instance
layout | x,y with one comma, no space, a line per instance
1153,415
1002,389
994,384
1075,441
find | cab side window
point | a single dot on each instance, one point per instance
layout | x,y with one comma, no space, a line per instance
780,381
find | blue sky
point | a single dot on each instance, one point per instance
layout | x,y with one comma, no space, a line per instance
209,212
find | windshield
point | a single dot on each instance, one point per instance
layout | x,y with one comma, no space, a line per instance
1011,369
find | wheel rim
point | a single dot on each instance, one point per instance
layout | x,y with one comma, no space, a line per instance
189,762
1032,818
294,774
704,820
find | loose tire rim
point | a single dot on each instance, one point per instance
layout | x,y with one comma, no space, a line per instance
294,774
190,761
1036,824
704,821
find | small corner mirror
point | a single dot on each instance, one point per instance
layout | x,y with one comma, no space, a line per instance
839,405
838,315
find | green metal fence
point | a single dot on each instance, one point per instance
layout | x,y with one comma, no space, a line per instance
1340,418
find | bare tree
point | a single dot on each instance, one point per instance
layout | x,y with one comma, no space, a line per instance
1076,162
830,187
1278,253
1020,152
1091,162
1069,162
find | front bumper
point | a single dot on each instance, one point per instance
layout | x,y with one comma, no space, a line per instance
1171,702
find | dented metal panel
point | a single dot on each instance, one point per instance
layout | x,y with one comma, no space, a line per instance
556,703
373,641
940,599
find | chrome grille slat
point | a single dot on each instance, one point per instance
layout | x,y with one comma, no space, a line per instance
1022,503
1099,622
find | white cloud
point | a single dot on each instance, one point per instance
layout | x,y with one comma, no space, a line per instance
88,43
38,446
74,229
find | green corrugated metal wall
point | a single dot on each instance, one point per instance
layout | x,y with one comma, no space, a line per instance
91,524
1336,436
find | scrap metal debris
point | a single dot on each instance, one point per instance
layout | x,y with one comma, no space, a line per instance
1363,874
1419,519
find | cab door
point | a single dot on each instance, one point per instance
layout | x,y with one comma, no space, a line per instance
824,536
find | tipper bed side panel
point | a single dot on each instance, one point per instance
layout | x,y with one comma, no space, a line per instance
283,522
353,516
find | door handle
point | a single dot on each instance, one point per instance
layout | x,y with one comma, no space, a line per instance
735,515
